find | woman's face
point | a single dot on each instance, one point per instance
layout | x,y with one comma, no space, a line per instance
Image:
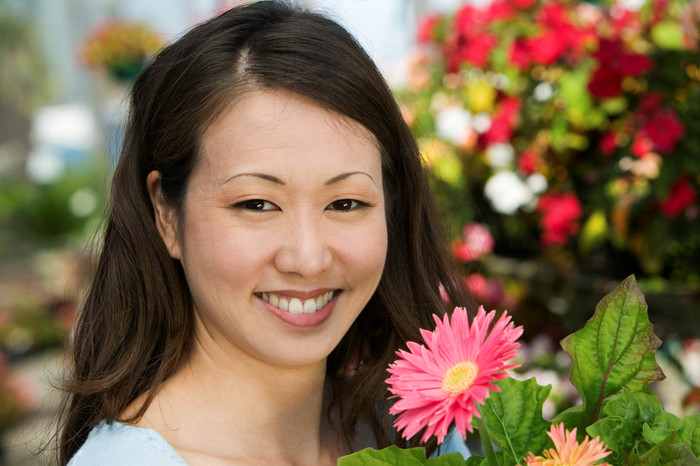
282,235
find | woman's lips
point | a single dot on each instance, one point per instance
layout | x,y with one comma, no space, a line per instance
300,313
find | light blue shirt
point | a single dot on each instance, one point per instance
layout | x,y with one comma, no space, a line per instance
121,445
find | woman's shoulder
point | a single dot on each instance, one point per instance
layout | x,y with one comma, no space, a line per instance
120,444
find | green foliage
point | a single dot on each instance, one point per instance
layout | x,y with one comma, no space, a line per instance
514,419
396,456
614,350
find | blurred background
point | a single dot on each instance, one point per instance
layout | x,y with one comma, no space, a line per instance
563,140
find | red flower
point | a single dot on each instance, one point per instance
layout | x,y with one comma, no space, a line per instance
426,28
547,47
500,10
641,145
681,196
634,64
608,144
560,214
614,64
527,162
605,83
503,122
524,4
476,49
664,129
519,53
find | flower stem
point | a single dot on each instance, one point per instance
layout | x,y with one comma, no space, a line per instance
486,441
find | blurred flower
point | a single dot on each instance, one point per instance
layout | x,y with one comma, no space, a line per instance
120,47
560,215
567,451
507,192
475,242
453,124
680,197
593,99
443,381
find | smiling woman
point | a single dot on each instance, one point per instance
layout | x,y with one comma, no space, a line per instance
272,242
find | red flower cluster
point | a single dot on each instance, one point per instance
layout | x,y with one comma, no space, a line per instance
614,65
558,37
660,128
560,216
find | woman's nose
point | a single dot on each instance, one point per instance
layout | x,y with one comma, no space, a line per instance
305,248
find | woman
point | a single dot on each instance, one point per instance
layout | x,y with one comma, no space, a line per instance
271,243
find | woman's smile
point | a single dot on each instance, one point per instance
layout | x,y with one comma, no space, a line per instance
297,303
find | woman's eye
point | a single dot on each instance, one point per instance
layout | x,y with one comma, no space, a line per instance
345,205
257,204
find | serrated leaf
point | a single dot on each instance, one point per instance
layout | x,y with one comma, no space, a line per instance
394,455
514,419
669,453
634,421
615,349
690,433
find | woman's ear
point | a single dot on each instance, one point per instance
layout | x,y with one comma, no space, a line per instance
166,220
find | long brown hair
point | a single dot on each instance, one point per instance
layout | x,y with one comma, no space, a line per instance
135,326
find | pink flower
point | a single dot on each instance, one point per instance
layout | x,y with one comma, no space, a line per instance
443,381
486,291
560,214
568,451
476,241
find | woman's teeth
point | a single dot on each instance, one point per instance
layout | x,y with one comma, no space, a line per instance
296,305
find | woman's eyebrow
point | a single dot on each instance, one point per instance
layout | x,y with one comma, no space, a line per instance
263,176
343,176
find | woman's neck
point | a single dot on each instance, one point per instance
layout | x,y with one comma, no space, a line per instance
218,407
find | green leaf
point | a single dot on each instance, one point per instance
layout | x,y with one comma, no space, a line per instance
475,460
448,168
594,232
514,419
634,421
668,35
690,433
394,455
615,349
670,452
571,417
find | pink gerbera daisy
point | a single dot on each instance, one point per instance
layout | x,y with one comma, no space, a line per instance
442,381
567,451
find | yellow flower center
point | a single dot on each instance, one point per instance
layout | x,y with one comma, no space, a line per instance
460,377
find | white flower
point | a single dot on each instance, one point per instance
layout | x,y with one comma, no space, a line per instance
507,192
543,91
481,122
453,124
537,183
500,155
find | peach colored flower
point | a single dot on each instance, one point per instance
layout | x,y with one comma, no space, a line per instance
568,452
443,381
